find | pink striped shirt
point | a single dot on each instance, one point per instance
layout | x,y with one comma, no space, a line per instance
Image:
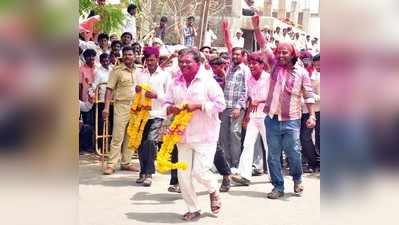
257,91
285,92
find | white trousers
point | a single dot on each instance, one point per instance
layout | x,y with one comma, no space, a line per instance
255,125
199,159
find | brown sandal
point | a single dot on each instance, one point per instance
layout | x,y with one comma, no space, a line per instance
188,216
174,188
216,204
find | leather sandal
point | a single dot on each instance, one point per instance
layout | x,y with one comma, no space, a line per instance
216,204
188,216
174,188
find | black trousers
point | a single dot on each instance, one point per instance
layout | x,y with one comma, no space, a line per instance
173,173
310,150
149,146
85,138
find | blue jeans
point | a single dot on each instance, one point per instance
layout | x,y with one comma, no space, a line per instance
283,135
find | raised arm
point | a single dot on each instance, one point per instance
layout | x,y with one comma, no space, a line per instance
227,36
262,41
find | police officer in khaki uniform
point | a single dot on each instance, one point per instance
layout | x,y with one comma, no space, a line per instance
120,85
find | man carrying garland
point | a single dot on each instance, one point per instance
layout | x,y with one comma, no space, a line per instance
201,95
157,79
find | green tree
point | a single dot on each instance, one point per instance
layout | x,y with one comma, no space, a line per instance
112,16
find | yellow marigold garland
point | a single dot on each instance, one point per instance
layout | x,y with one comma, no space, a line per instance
139,115
172,136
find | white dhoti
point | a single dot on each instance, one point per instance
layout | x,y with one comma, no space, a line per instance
199,158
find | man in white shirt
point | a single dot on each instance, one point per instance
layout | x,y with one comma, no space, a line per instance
157,79
202,96
238,40
130,21
101,78
210,36
258,87
102,75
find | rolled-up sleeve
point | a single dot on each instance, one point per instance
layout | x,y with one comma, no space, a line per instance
308,93
113,79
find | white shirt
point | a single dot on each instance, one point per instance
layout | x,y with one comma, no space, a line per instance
210,36
299,44
102,76
286,39
85,106
204,125
238,42
315,79
130,25
158,82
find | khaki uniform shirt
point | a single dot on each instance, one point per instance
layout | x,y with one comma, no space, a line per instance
121,81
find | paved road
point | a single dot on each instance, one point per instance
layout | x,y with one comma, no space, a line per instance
118,200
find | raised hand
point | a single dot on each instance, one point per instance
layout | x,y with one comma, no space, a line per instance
225,25
255,21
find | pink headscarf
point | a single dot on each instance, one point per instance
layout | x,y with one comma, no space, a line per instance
293,51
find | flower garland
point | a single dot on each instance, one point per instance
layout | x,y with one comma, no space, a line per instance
139,115
172,136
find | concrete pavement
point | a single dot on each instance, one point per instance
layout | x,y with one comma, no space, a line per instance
118,200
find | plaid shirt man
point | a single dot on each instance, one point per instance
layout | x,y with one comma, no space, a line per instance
188,36
235,91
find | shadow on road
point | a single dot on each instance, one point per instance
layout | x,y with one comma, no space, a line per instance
160,218
260,195
159,198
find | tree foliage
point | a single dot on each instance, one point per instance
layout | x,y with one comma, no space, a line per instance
112,16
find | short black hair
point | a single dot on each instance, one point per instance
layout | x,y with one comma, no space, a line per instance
316,58
131,7
103,56
136,43
204,47
196,54
238,48
224,55
113,43
164,19
89,52
127,33
191,18
217,61
127,48
102,36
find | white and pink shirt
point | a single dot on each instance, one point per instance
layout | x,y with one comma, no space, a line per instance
205,124
257,91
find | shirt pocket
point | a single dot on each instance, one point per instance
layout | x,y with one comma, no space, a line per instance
291,88
125,81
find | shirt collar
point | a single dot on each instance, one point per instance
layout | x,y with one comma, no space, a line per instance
124,67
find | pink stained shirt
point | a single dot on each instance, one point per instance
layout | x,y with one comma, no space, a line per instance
285,92
86,78
205,124
258,90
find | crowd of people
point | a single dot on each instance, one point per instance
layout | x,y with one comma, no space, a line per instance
253,113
